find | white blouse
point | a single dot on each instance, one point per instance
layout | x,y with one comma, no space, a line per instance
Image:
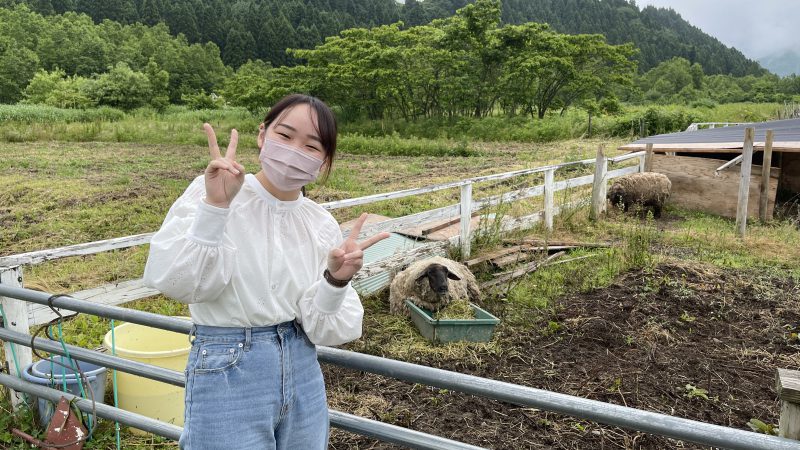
257,263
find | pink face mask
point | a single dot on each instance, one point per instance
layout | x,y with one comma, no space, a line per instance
287,167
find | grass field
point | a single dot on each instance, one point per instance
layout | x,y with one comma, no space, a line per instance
57,193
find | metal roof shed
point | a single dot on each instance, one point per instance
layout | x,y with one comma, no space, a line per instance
695,162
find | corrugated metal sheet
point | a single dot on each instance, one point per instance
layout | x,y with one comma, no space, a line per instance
785,131
381,250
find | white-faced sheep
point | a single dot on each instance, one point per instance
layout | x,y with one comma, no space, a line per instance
646,189
432,283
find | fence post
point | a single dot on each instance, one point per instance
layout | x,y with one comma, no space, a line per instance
599,185
466,217
788,387
744,181
766,171
648,158
15,318
549,180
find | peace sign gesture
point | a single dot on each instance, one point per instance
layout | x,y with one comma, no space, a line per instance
224,176
347,259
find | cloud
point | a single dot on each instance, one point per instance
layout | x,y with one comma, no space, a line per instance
756,28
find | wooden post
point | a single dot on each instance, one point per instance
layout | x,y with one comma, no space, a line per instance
763,199
549,179
15,318
744,181
589,131
788,387
599,185
466,217
648,158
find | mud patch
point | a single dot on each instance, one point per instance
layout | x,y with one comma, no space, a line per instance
691,341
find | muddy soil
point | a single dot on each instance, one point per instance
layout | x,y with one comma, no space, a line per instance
692,341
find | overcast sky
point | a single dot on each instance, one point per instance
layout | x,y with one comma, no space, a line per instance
755,27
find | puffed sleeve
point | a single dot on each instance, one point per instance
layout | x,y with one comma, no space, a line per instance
191,260
330,315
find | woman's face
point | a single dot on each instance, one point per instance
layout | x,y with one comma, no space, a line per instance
297,127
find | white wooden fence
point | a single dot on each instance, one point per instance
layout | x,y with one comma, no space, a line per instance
20,316
708,125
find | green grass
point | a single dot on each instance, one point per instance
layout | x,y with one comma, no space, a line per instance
430,136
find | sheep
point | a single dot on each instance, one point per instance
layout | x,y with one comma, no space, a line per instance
426,284
647,189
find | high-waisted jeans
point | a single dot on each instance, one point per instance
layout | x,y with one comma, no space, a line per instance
254,388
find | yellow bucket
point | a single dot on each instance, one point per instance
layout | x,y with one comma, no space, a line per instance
158,347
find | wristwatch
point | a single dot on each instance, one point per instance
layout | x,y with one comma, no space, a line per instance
334,281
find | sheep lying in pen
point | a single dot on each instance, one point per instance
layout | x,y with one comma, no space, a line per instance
432,283
646,189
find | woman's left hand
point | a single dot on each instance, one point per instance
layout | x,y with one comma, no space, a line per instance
347,259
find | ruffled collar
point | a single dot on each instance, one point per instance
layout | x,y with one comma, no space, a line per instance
259,189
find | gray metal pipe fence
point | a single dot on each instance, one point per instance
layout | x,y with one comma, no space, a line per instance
105,411
152,372
359,425
626,417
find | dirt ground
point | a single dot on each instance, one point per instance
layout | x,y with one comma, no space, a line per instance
692,341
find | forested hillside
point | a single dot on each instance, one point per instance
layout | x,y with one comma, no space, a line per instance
264,29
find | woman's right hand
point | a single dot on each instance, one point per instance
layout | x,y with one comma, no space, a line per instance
224,176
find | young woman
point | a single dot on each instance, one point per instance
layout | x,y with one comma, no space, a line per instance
266,274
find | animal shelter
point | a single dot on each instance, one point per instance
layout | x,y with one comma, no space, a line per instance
701,164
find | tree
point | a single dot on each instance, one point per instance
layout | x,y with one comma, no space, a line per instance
17,66
159,84
42,85
250,86
122,88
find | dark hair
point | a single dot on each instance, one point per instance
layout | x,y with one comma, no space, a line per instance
326,123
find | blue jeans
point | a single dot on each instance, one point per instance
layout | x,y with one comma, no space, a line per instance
254,388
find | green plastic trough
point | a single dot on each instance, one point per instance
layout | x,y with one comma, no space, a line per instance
479,329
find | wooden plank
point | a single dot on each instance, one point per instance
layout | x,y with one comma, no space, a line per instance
452,230
516,273
109,294
648,159
620,172
558,244
625,157
549,178
514,258
719,147
787,385
429,228
763,197
15,318
599,185
789,421
88,248
744,181
695,186
407,223
492,255
371,220
466,216
732,162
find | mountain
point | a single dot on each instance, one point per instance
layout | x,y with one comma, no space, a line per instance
660,34
250,29
783,63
